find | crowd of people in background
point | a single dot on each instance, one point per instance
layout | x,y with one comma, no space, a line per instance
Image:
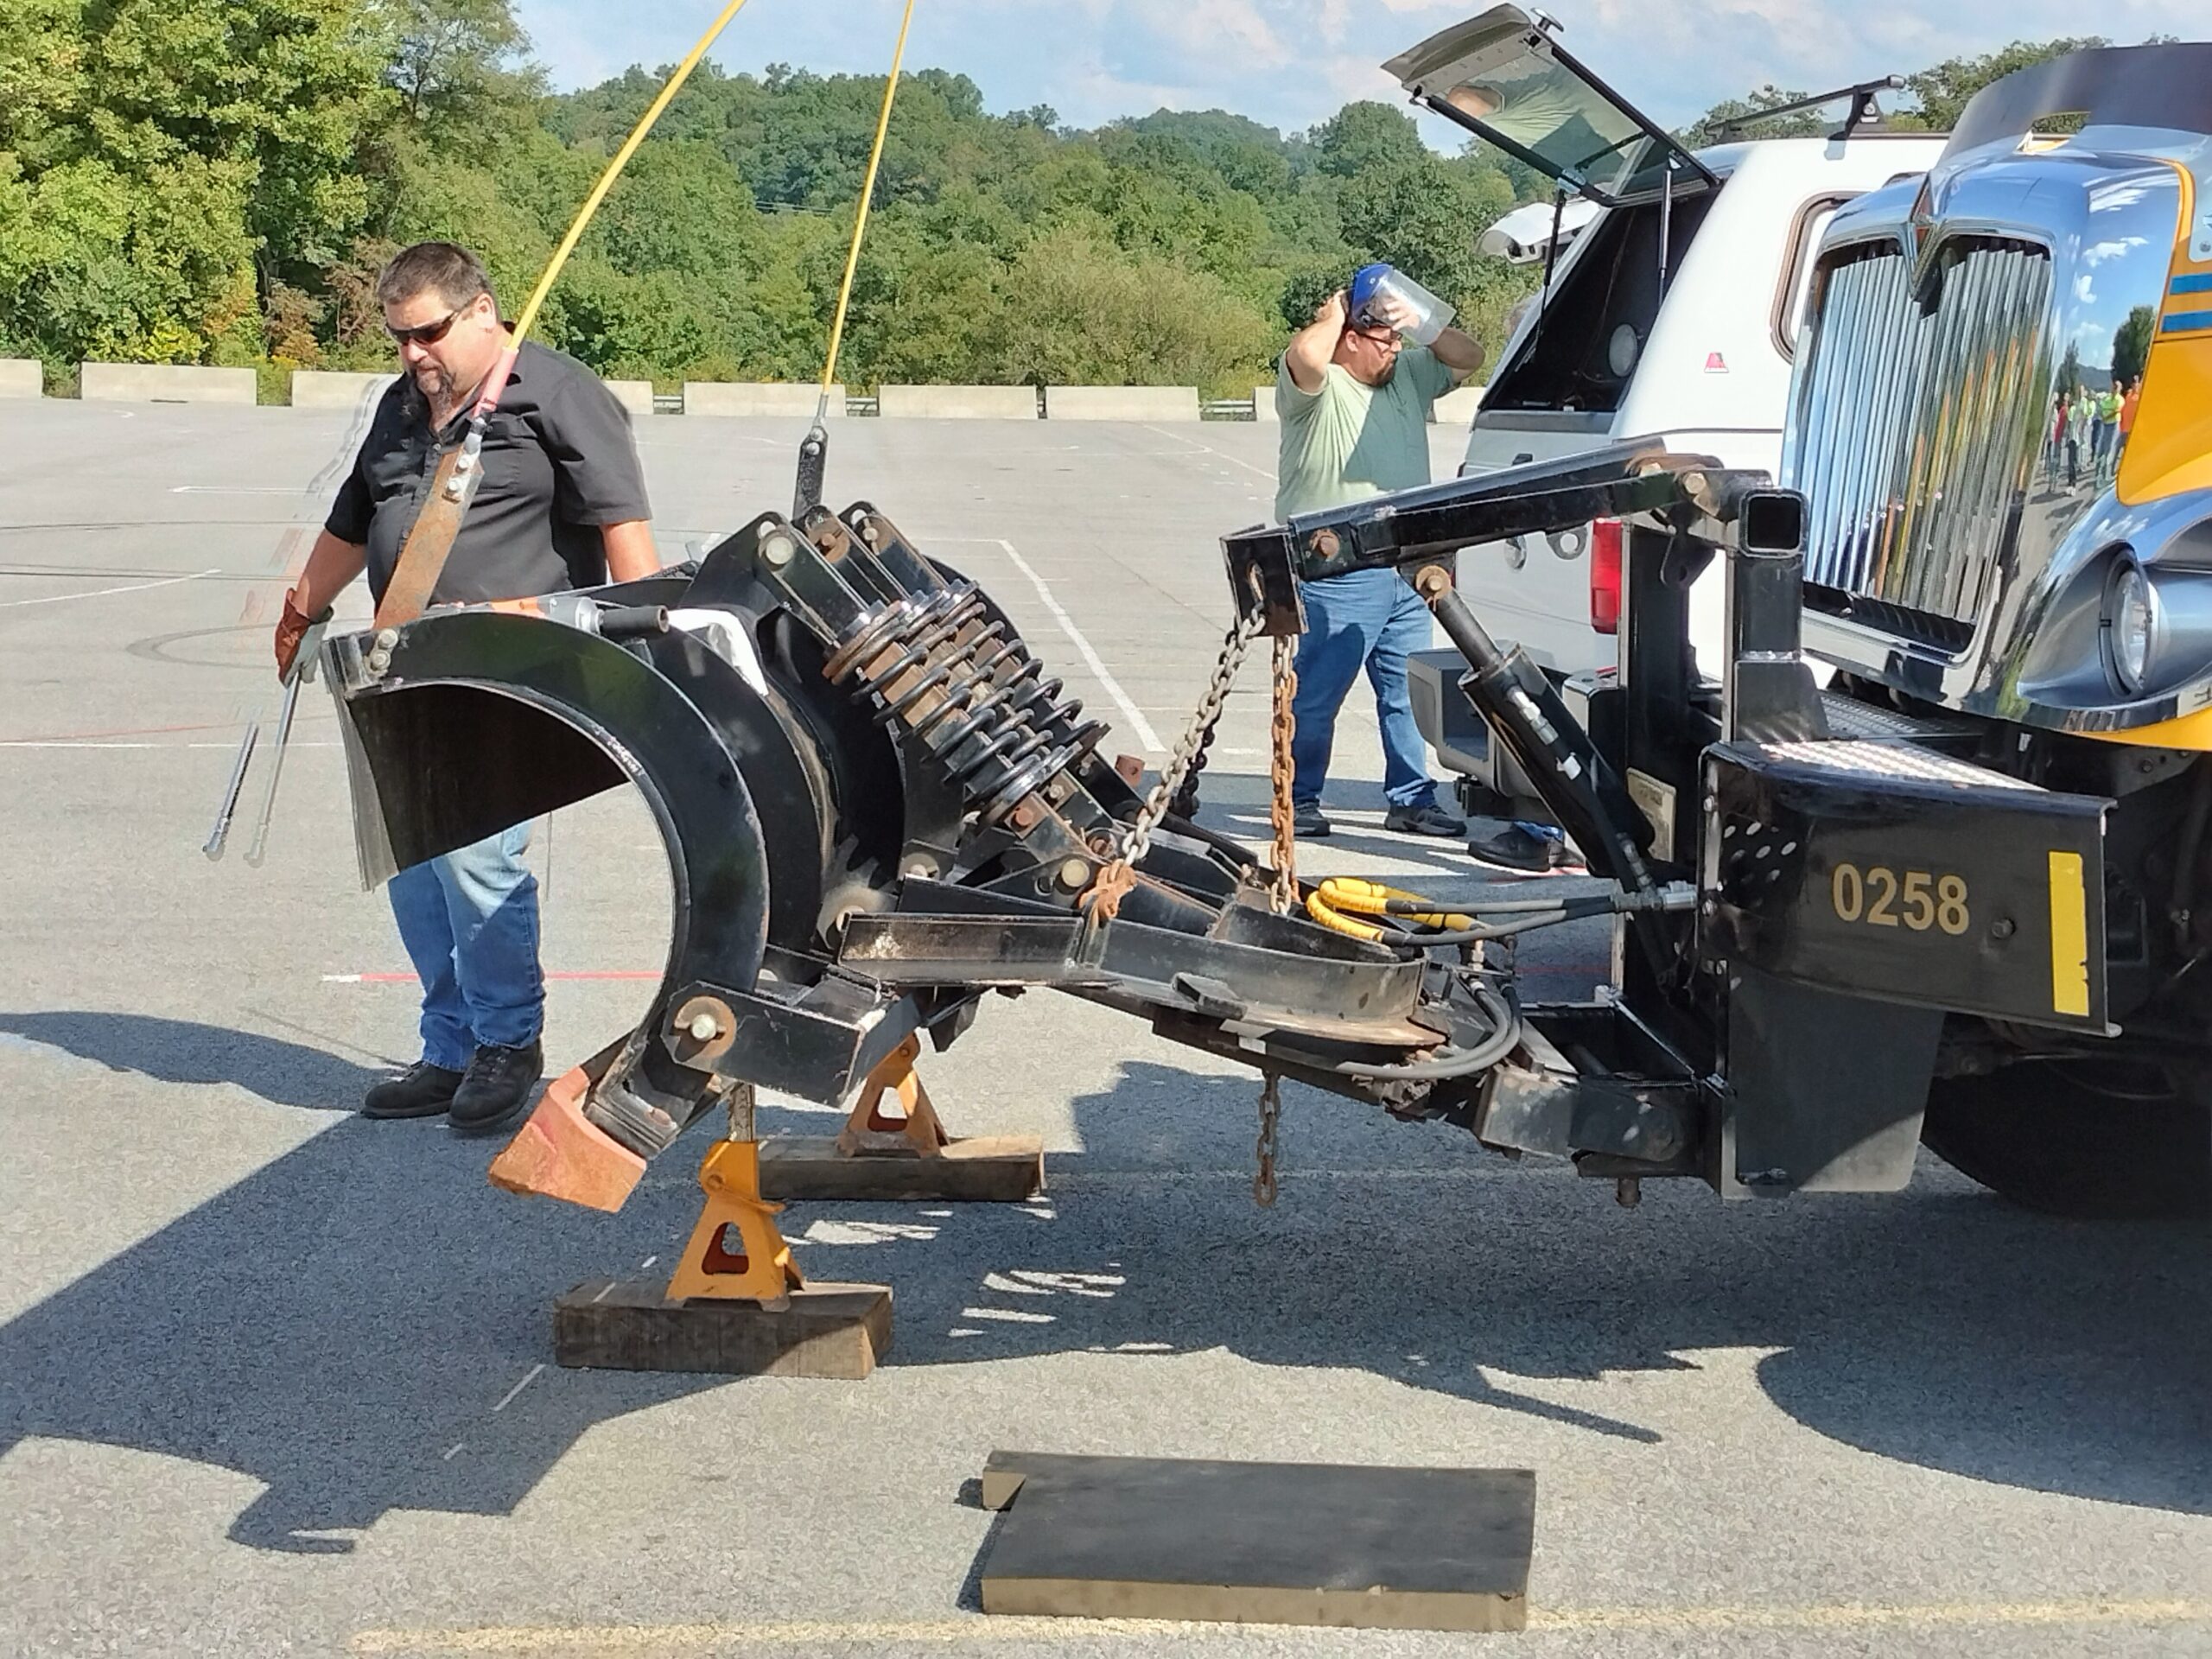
2088,432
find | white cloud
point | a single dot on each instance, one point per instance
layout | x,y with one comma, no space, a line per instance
1200,33
1290,63
2099,252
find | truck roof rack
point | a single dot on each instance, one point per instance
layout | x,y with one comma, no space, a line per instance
1864,112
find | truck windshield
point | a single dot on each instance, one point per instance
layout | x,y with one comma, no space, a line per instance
1585,355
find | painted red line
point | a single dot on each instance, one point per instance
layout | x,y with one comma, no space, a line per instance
131,731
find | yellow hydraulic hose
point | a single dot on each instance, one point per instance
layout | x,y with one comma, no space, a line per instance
860,219
621,160
1329,901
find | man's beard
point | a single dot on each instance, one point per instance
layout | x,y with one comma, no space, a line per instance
1382,377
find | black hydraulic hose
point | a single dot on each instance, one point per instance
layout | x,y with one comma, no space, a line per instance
1508,907
619,622
1213,838
1521,705
1504,1017
1505,930
1529,914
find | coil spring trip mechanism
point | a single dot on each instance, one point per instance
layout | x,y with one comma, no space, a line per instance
944,667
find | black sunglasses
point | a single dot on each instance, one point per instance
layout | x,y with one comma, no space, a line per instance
427,333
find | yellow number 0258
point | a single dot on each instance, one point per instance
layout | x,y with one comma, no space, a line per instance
1919,900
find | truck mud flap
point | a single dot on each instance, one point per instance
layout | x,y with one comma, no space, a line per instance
1886,871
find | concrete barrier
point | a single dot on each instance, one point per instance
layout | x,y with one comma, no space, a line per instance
1263,402
957,403
22,377
774,397
1457,408
336,387
1121,402
163,383
636,396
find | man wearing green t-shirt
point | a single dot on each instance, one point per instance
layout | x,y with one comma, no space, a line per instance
1353,401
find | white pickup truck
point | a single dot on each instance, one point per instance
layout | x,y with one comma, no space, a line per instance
1673,313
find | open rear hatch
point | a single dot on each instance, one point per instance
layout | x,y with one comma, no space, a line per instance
1504,78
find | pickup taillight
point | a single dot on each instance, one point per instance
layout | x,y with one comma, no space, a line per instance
1606,575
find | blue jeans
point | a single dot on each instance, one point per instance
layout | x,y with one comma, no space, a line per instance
1369,618
469,921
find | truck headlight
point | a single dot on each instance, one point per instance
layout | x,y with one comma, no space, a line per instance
2131,626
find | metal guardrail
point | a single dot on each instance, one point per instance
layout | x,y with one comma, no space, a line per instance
864,408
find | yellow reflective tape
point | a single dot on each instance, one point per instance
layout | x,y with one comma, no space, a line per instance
2069,937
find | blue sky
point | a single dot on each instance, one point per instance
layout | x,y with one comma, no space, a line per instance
1290,63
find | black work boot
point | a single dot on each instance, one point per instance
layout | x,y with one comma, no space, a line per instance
498,1084
422,1090
1428,820
1307,823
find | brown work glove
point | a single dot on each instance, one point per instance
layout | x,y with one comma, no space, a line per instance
291,628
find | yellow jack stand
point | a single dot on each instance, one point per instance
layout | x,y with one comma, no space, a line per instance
914,1133
886,1156
741,1312
761,1268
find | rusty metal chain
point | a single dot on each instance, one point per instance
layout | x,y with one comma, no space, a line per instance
1185,805
1204,719
1283,889
1264,1184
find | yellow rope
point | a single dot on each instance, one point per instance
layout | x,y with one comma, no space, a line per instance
622,160
868,192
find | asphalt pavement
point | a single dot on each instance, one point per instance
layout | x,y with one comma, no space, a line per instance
274,1378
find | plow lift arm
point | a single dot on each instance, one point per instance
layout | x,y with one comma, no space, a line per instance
879,806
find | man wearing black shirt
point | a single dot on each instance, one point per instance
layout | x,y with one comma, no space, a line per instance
562,504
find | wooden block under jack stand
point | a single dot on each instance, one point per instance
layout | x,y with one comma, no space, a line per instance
1270,1544
824,1331
901,1154
979,1169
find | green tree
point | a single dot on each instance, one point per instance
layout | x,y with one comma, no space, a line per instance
1738,118
172,162
1363,139
1945,90
462,68
2131,344
1082,312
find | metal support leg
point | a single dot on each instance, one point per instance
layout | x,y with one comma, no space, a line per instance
914,1133
760,1267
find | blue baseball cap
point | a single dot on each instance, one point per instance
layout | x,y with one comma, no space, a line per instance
1365,282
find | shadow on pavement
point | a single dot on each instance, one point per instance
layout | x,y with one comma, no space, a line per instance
1943,1327
182,1050
336,1322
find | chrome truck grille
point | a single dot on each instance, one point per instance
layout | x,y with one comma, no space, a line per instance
1914,427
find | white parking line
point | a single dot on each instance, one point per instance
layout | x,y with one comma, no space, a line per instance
1219,455
102,593
529,1377
1122,701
